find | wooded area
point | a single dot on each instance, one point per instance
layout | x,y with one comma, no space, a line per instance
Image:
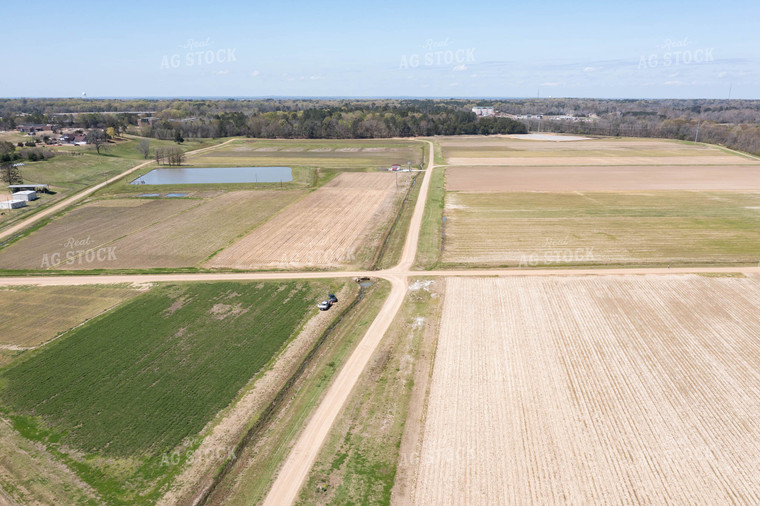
733,123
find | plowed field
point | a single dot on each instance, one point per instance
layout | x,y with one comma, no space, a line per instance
325,229
595,390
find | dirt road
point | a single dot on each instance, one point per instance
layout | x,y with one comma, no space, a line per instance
385,274
296,467
89,191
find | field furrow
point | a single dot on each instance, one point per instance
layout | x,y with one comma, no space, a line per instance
590,390
326,229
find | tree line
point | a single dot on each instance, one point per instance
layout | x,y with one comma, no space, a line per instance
733,123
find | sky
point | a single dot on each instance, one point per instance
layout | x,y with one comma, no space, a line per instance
497,49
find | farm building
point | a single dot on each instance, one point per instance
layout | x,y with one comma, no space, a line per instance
35,187
11,203
25,195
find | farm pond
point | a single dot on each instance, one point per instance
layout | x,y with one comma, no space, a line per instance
208,175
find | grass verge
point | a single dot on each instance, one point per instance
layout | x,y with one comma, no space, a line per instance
430,242
361,458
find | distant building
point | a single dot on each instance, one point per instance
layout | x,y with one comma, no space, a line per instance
149,121
31,128
73,138
483,111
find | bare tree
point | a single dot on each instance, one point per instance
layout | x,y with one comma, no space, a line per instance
144,147
97,138
175,155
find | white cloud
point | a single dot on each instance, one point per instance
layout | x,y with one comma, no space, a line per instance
672,83
722,74
460,68
220,72
255,73
591,69
551,84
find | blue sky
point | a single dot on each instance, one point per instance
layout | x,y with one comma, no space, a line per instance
615,49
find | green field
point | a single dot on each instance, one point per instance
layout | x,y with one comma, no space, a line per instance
534,229
121,391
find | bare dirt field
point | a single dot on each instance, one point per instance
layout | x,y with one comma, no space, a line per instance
593,159
33,315
328,228
507,151
603,178
144,233
594,390
548,137
535,229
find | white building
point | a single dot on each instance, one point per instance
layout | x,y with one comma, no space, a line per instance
26,195
483,111
12,204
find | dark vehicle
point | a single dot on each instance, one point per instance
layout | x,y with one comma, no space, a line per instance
333,298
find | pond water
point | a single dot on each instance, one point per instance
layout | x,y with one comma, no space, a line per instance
207,175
